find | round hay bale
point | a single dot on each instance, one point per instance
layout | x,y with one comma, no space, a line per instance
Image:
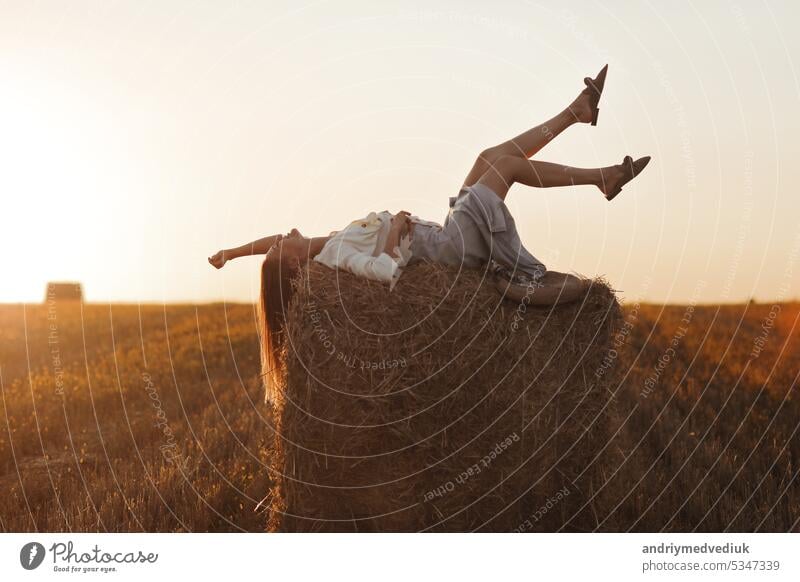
438,406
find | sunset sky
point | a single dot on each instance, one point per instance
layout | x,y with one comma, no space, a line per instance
137,138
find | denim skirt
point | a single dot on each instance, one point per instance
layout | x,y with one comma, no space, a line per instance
478,231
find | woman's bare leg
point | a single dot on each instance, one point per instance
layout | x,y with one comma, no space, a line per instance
507,170
553,288
528,143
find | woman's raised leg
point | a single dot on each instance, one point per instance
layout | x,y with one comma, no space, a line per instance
523,146
507,170
528,143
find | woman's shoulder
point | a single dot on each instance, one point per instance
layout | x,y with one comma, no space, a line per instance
372,219
363,229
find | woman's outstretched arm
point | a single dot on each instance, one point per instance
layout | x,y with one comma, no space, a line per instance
257,247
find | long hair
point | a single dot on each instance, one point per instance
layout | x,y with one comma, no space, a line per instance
276,292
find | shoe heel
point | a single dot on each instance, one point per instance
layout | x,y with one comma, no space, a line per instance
594,116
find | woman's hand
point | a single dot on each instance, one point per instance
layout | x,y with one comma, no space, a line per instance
218,259
401,224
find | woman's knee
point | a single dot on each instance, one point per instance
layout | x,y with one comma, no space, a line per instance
507,167
488,156
496,155
501,174
484,162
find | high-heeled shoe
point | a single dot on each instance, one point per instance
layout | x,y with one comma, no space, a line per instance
632,169
594,88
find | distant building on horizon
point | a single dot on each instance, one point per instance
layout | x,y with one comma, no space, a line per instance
63,291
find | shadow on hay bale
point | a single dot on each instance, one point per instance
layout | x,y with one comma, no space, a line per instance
439,407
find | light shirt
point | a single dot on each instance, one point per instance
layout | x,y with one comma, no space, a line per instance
359,248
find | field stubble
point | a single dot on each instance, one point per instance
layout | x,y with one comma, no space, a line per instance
151,418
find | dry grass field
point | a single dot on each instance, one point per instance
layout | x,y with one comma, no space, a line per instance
122,418
151,418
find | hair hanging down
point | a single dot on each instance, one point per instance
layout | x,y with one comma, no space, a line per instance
276,291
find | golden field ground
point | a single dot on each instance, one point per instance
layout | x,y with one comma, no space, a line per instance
151,418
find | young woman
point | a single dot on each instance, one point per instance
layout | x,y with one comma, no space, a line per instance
478,230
